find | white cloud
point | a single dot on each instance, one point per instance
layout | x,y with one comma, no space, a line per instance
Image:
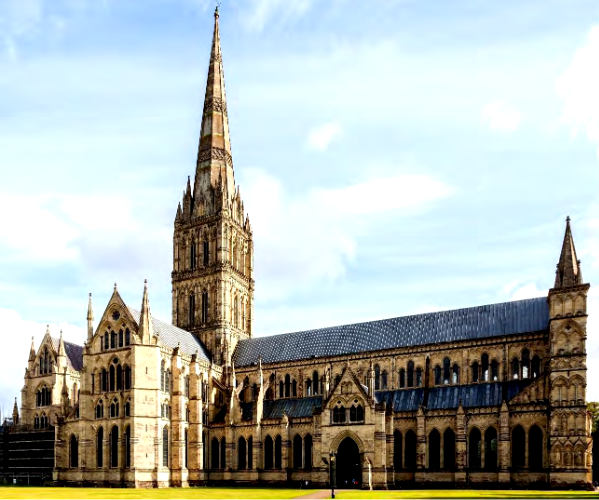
528,291
578,87
499,115
321,137
261,12
16,333
308,239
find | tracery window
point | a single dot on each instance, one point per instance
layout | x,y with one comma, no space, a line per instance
114,408
339,413
356,412
44,397
100,409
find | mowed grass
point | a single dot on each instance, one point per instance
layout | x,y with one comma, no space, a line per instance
451,494
10,492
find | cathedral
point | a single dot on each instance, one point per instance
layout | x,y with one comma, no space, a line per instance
487,395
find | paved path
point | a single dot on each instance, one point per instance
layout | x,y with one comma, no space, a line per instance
319,494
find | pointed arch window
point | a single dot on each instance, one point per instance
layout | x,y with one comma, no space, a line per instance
114,408
127,378
114,447
113,340
192,308
206,252
121,338
204,306
214,453
162,376
309,387
74,452
485,367
515,368
475,371
446,370
384,380
494,370
455,375
127,336
128,447
287,386
223,453
418,377
36,422
128,409
315,383
402,378
100,448
377,377
192,256
278,452
525,364
106,341
100,409
397,449
268,453
536,367
410,380
165,446
437,373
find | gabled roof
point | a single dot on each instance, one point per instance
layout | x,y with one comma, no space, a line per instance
508,318
74,353
171,336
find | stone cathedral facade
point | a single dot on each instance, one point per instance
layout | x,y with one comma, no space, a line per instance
488,394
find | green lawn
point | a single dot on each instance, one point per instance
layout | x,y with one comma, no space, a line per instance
516,494
10,492
13,492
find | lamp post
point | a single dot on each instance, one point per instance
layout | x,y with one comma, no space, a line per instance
332,456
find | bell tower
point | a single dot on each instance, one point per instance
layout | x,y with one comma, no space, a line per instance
213,250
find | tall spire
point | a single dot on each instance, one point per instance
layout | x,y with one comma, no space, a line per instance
90,319
214,152
146,330
568,272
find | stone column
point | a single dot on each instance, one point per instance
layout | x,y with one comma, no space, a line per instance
503,445
460,446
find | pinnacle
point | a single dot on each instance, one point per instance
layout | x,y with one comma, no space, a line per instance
568,272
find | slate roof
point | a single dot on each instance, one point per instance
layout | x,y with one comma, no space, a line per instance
300,407
401,400
508,318
74,353
448,397
170,336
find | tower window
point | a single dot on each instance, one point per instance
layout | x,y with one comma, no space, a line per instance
192,308
206,252
192,256
204,306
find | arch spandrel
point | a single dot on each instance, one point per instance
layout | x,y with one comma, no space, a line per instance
347,434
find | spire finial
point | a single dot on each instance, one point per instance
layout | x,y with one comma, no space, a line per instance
115,286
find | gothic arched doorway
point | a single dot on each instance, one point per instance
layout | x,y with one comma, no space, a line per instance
348,466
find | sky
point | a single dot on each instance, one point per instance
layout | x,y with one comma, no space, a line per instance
395,156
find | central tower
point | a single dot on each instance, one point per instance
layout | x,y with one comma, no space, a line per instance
213,250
